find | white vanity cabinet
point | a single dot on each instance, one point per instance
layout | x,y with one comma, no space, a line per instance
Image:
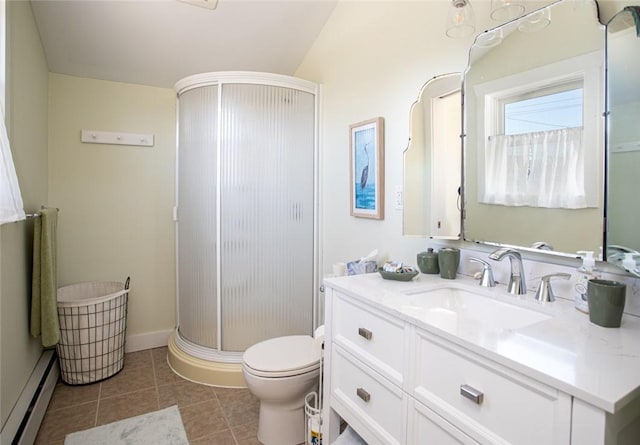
402,384
397,379
489,402
367,355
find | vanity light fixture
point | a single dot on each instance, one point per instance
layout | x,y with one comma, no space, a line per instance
504,10
489,39
461,21
536,21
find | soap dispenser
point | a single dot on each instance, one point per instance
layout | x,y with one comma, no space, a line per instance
586,272
629,262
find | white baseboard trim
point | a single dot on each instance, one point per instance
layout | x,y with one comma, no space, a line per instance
148,340
26,415
39,407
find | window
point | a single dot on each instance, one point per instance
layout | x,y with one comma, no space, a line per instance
543,109
541,138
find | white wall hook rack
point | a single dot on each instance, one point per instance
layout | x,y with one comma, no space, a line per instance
116,138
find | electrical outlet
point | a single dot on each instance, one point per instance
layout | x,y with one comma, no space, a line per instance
399,198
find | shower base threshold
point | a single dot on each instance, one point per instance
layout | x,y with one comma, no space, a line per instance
206,372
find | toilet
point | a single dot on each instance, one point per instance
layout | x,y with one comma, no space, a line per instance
280,372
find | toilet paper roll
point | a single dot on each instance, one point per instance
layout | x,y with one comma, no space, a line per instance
339,269
318,336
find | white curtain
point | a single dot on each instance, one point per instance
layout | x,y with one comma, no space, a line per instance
539,169
11,207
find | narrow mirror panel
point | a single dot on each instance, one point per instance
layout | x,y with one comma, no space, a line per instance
623,138
432,161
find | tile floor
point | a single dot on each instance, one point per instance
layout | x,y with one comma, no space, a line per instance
211,416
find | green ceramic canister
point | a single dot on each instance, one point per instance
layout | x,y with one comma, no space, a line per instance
428,262
606,302
449,260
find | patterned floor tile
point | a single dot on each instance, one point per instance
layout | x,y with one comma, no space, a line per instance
211,416
127,405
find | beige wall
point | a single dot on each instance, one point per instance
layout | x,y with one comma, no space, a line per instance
372,59
115,201
26,116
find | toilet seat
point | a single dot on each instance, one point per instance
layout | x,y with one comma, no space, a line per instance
283,356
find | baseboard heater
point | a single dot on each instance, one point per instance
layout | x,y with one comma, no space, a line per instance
24,421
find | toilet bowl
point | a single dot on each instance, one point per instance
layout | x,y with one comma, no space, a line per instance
280,372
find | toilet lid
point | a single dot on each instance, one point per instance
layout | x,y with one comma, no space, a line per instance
289,355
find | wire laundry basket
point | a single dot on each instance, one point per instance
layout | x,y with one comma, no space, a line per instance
93,322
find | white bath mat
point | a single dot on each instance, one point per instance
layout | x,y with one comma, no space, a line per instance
162,427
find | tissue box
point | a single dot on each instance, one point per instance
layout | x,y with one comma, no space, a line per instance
358,267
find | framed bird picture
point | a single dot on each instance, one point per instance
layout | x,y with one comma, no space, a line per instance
367,168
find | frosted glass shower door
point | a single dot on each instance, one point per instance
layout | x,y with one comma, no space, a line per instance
266,213
197,173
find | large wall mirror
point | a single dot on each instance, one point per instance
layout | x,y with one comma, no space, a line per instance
534,132
432,161
623,106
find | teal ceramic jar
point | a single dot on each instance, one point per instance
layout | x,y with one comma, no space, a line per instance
606,302
448,260
428,262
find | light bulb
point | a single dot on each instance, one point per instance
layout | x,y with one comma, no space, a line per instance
504,10
461,20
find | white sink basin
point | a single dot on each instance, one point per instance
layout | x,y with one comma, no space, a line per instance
453,309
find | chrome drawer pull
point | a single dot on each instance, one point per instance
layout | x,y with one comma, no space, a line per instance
472,393
366,333
364,395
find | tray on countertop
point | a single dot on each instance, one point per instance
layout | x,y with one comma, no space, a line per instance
399,276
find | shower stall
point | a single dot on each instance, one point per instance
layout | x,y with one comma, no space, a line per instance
246,218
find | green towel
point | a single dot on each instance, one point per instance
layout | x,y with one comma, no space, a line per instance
44,308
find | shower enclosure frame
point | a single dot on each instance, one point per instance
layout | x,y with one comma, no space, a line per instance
219,79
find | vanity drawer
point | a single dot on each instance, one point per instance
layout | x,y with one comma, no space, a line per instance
374,337
425,426
490,402
373,400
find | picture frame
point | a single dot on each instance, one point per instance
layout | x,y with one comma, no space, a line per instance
366,163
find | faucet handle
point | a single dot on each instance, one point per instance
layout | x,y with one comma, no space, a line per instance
542,245
544,292
486,277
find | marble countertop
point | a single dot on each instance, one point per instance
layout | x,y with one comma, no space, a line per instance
600,366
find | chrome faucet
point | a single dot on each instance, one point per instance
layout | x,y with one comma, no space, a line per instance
486,276
544,292
517,284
